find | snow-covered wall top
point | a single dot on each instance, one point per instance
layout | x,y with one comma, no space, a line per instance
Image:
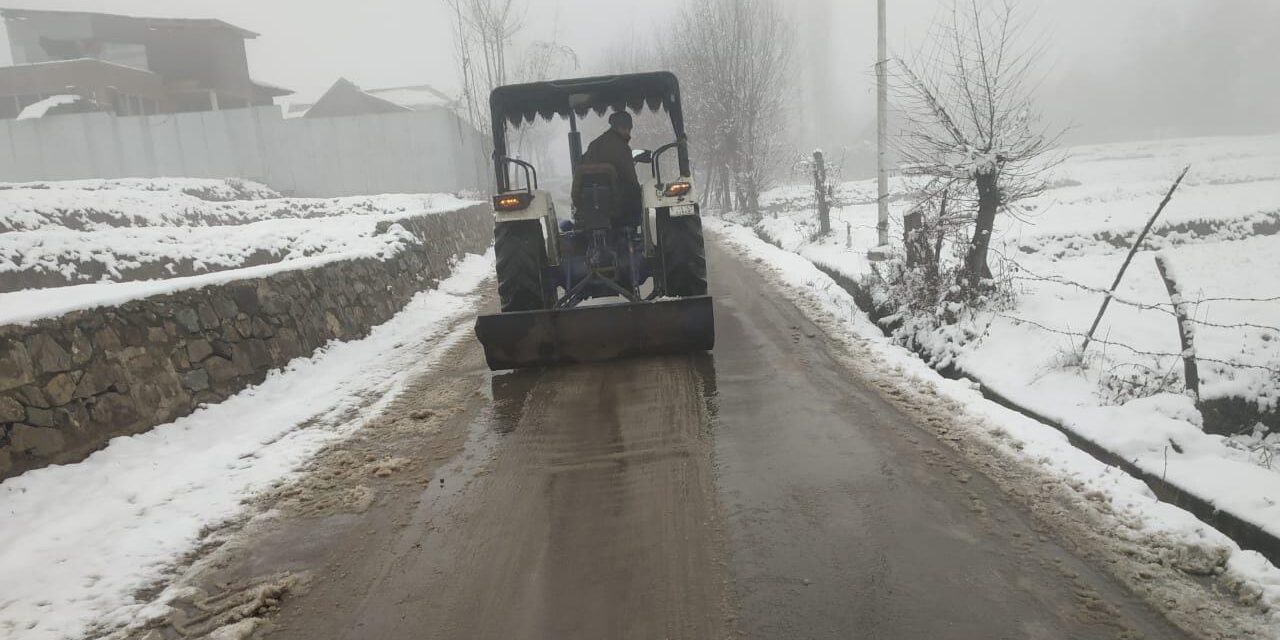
70,382
102,232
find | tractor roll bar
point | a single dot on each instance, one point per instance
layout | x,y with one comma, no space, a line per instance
517,104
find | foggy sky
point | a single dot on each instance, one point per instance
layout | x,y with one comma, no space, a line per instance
1116,69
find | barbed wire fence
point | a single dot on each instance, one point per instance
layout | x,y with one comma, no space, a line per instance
1142,372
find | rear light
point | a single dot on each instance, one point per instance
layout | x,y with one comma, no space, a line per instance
512,201
677,189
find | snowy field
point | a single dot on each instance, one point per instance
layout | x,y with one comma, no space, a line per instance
1221,233
79,542
64,233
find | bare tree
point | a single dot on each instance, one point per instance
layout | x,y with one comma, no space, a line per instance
972,129
542,60
734,60
483,32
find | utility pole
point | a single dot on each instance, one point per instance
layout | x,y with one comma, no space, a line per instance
882,134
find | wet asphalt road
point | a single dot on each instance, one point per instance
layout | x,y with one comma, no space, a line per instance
761,491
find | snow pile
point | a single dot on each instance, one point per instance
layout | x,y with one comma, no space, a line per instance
42,108
35,208
57,234
23,307
77,542
203,188
1220,234
113,254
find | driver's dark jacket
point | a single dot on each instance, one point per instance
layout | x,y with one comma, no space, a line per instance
614,149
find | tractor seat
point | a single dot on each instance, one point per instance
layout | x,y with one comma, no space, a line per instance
595,196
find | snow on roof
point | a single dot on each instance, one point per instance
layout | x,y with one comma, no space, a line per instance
415,97
345,98
41,108
273,90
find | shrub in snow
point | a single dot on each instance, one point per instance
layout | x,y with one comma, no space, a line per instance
1125,381
1261,444
934,309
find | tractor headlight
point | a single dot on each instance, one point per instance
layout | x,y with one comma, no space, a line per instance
512,201
677,189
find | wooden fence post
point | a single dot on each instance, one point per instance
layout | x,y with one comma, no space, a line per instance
1137,243
1186,327
820,193
912,226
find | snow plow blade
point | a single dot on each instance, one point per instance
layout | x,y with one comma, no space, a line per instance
591,334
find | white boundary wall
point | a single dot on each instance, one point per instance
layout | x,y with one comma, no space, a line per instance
411,152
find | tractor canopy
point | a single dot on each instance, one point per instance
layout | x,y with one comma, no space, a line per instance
518,104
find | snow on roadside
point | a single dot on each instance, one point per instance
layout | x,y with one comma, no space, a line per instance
817,295
78,541
1219,231
114,251
30,305
24,208
211,189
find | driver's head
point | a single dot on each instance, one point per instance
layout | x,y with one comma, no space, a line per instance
620,121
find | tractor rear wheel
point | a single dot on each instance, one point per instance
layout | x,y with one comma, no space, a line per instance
522,259
684,257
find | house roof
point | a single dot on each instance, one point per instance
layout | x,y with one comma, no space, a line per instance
344,98
419,97
56,76
270,90
160,23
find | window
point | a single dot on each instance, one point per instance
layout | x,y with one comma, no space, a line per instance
129,55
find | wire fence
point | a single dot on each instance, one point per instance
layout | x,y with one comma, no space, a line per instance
1020,273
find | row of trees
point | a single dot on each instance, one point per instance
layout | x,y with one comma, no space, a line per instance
735,62
484,34
483,31
970,133
734,59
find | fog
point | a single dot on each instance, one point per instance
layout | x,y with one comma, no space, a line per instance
1112,70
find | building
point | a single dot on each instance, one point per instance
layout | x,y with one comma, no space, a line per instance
417,97
344,98
127,65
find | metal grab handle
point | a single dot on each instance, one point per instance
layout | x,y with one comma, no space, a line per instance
530,185
657,157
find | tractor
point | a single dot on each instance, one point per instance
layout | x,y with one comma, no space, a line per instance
610,280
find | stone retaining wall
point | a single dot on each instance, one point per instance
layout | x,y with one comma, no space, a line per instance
69,384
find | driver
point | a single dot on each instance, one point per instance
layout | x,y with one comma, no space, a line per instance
614,147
